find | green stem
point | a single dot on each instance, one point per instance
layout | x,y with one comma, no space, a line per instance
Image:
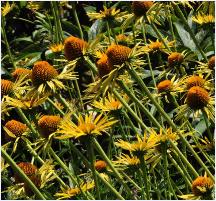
22,174
129,121
207,125
118,96
171,123
58,109
4,35
118,175
91,65
79,94
145,176
57,37
108,31
189,30
77,19
131,180
88,165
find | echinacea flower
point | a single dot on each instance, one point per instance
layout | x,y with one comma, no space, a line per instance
142,145
164,86
74,48
195,80
197,99
48,124
88,125
206,68
201,189
202,19
104,66
108,104
125,161
100,165
56,47
6,87
175,58
211,62
7,8
71,192
21,72
118,54
140,8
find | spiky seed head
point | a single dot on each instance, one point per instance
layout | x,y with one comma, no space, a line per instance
100,165
16,127
73,47
211,62
140,8
164,86
122,39
118,54
6,87
195,81
48,124
155,46
201,182
197,97
31,171
175,58
104,66
21,71
42,72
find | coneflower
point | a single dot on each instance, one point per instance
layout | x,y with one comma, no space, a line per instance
175,58
42,72
201,182
164,86
211,62
118,54
197,98
16,127
21,71
32,172
104,66
195,81
140,8
73,47
100,165
48,124
6,87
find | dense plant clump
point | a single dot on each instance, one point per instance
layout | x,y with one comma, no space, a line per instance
108,100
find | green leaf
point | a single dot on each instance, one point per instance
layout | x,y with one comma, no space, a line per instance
95,29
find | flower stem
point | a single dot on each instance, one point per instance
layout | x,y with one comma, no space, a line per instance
100,150
207,125
77,19
21,174
91,65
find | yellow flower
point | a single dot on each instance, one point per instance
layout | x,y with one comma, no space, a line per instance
108,104
71,192
126,161
7,8
142,145
203,19
56,47
89,125
201,188
106,14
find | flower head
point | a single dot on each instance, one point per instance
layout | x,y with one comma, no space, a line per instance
140,8
71,192
43,72
16,128
56,47
48,124
7,8
6,87
74,47
100,165
141,145
211,62
21,72
201,185
175,58
108,104
164,86
104,66
195,80
118,54
89,125
197,97
203,19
